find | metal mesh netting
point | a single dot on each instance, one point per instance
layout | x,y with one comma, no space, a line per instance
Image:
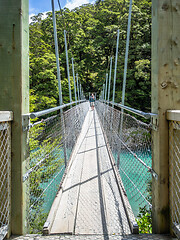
51,141
174,161
131,149
73,119
5,160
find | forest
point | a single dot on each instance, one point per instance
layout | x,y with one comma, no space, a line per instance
91,36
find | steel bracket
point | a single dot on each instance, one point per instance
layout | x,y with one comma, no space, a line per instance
25,122
155,122
46,228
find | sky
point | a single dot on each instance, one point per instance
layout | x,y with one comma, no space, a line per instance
42,6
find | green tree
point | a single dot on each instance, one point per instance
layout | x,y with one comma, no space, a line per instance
91,36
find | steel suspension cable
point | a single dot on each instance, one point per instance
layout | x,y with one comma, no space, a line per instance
57,54
64,23
110,71
127,51
74,80
67,63
125,69
115,70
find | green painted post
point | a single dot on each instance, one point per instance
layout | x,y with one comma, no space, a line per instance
14,96
165,96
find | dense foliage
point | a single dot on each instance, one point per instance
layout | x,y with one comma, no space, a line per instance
91,33
144,220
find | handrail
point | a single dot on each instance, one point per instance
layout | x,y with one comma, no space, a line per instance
173,115
138,112
6,116
50,110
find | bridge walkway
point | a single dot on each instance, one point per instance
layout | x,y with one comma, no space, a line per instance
89,201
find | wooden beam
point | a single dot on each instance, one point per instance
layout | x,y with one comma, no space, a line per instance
165,95
14,95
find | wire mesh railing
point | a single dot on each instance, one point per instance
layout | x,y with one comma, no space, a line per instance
130,142
5,177
174,174
51,141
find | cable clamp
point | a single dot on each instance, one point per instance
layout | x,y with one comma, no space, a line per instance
154,174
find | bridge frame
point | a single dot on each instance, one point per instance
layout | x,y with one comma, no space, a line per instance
14,92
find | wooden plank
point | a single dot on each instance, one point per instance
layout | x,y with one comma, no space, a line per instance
64,219
117,222
89,210
118,182
65,215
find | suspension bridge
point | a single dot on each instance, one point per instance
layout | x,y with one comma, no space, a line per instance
82,172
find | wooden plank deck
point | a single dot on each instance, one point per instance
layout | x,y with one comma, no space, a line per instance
89,201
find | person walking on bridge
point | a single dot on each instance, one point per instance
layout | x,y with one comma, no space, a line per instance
92,100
